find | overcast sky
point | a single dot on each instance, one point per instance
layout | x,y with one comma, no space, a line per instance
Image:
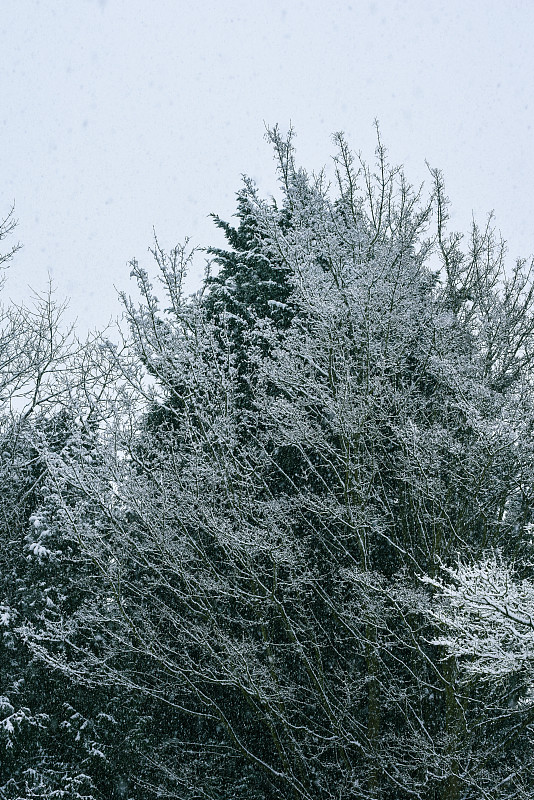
118,116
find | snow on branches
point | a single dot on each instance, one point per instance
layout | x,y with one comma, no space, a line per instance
487,617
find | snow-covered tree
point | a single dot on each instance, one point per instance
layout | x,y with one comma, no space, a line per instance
277,478
55,741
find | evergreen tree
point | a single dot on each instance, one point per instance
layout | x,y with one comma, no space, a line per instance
60,741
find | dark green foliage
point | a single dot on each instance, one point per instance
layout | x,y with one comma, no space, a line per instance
250,285
58,740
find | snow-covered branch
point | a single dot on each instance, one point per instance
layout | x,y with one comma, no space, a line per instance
487,617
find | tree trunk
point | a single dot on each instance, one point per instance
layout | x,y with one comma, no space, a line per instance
373,708
453,723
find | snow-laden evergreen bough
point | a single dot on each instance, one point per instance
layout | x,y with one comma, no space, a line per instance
344,407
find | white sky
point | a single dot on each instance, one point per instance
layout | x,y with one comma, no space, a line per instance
121,115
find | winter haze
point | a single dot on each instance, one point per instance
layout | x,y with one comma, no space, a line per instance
121,116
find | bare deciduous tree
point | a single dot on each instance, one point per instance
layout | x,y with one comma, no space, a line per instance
255,539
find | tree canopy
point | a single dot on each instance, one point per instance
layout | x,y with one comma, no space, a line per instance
277,543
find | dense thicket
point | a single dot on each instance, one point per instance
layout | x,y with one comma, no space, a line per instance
270,505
